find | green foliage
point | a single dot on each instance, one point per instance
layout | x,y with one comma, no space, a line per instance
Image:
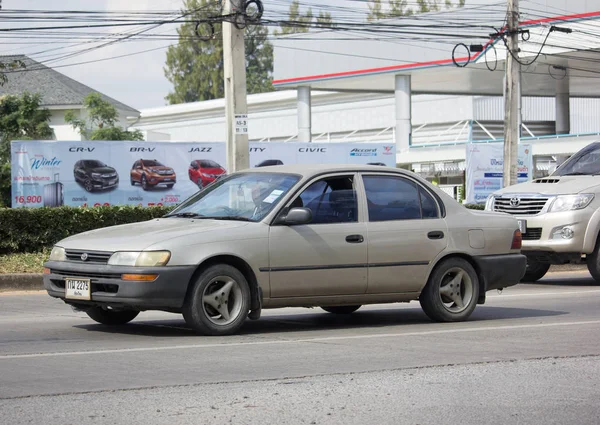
298,22
33,229
195,66
101,123
475,206
9,66
397,8
21,118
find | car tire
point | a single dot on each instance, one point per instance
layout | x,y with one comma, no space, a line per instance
342,309
170,186
593,262
88,186
145,185
218,289
452,291
111,317
535,271
131,181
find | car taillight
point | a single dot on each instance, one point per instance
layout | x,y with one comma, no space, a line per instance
517,241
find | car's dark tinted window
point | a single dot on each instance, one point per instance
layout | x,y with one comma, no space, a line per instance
152,163
397,198
206,163
331,200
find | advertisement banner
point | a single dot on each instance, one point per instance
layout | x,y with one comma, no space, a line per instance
484,169
55,173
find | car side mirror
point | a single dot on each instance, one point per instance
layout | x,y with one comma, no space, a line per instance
297,216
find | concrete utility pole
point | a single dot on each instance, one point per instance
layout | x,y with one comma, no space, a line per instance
511,97
236,108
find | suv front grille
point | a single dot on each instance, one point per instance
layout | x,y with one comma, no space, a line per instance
533,234
93,257
524,206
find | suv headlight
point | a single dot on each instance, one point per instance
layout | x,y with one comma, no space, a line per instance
58,254
571,202
489,203
140,259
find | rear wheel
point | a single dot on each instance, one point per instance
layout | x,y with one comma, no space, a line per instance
451,292
343,309
219,301
535,271
111,317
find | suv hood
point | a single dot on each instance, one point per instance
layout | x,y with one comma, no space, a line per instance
103,170
558,185
139,236
159,167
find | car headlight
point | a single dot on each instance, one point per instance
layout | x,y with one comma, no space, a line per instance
489,203
571,202
140,259
58,254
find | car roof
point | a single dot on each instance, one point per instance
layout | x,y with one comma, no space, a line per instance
307,170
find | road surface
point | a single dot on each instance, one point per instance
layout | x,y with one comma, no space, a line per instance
529,355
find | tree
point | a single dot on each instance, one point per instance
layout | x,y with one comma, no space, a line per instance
102,121
9,66
298,22
21,118
401,8
195,66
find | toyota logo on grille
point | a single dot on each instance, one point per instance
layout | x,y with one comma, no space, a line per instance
84,256
515,202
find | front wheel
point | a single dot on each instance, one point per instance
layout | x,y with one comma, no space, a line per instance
535,271
170,186
342,309
145,185
111,317
219,301
451,292
593,262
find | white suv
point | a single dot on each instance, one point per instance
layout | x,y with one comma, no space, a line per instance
559,215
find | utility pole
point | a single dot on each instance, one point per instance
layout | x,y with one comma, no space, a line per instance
236,108
512,93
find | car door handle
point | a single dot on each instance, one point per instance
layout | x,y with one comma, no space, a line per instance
435,235
354,238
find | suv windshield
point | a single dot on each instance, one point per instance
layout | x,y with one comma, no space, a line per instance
584,162
93,164
207,163
152,163
238,197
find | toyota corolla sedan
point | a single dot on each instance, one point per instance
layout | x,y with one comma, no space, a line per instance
335,237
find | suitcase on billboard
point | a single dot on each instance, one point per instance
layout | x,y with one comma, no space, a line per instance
53,193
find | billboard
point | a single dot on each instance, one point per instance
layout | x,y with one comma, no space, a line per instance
86,173
484,169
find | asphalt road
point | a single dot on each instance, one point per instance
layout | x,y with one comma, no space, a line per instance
530,355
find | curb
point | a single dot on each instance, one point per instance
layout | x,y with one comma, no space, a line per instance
21,282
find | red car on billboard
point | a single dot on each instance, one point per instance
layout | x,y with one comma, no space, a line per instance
204,171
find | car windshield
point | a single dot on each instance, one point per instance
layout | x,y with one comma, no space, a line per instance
94,164
248,196
206,163
152,163
584,162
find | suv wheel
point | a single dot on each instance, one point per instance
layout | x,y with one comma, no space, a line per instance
342,309
87,184
451,292
535,271
111,317
144,183
218,302
131,181
593,262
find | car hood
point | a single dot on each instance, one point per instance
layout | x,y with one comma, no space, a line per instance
159,167
558,185
139,236
104,170
212,170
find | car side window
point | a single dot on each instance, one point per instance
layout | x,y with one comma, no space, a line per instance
396,198
331,200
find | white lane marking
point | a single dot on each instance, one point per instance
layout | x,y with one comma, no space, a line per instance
542,294
296,341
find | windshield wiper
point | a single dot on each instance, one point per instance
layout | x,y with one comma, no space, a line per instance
186,215
229,217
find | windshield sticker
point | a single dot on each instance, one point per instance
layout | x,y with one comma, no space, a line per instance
273,196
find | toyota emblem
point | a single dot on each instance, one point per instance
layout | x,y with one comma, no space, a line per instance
84,256
515,202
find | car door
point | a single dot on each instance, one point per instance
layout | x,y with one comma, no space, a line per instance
406,231
327,256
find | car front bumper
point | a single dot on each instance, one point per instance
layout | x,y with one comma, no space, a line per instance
105,183
166,292
501,271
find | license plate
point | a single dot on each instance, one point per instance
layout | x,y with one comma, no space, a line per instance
523,226
78,289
